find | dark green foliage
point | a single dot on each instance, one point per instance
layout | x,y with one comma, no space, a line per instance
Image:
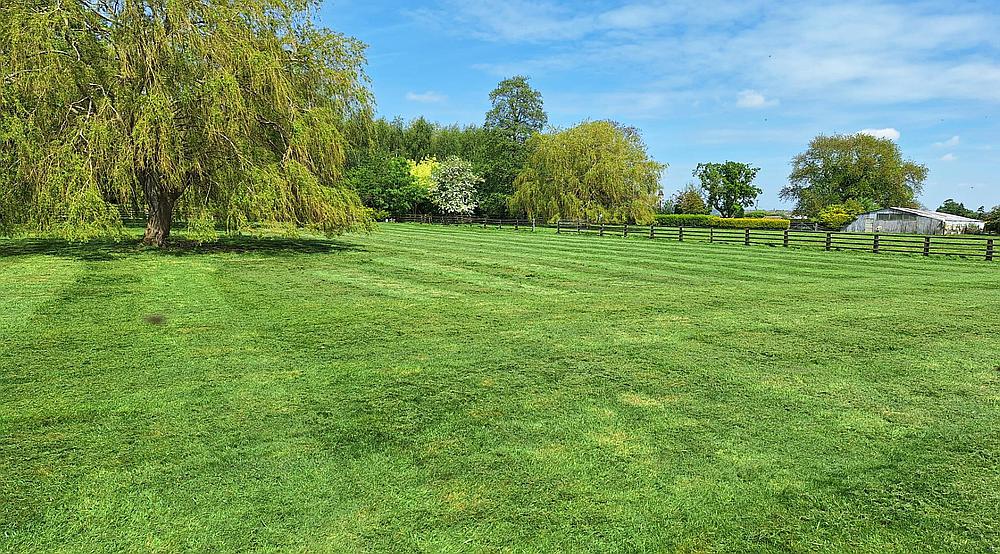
952,207
694,220
835,169
386,185
729,186
518,112
992,219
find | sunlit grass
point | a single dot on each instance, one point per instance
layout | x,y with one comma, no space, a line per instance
457,389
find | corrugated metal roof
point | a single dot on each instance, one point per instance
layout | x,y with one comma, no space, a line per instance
935,215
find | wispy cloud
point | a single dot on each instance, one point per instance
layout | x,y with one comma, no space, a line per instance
429,97
949,157
887,133
861,52
753,99
950,143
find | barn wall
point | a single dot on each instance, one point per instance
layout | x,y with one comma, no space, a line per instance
920,225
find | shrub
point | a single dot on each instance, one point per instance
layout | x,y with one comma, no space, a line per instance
751,223
694,220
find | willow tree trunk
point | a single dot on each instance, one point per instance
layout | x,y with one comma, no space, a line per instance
160,213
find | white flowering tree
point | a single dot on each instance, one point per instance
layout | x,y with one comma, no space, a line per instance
453,186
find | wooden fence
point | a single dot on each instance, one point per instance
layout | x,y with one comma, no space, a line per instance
984,248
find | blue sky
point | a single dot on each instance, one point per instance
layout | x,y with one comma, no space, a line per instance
709,81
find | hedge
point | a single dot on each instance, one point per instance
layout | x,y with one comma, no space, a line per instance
696,220
685,220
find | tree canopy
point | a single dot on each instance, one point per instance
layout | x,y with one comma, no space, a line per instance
232,111
729,186
838,168
950,206
598,170
689,201
453,186
517,112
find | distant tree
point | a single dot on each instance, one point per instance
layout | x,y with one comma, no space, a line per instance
518,111
992,219
949,206
729,186
417,139
386,185
835,169
222,111
597,171
690,201
453,186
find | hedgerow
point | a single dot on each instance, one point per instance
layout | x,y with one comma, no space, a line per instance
695,220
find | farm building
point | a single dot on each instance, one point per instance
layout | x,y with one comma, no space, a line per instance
910,220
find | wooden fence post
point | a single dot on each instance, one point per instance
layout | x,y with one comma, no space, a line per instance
680,233
989,250
784,239
602,228
625,230
651,230
711,234
829,239
558,226
532,225
578,226
746,240
927,245
517,224
500,224
485,221
875,244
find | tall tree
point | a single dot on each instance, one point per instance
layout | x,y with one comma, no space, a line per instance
232,111
518,111
949,206
729,186
838,168
597,171
517,114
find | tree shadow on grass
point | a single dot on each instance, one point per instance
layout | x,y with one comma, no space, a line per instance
106,250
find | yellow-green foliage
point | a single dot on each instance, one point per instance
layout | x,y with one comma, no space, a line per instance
698,220
596,171
423,171
231,111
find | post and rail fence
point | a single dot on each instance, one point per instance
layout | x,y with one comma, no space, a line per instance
983,248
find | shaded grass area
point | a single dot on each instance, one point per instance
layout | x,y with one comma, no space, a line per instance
457,389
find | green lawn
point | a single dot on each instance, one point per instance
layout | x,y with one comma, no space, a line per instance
462,389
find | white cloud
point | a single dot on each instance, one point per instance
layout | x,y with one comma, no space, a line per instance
887,133
852,52
949,157
429,97
953,141
753,99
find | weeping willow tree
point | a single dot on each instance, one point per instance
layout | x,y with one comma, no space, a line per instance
218,111
598,171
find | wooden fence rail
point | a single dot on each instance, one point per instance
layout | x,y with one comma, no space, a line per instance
877,243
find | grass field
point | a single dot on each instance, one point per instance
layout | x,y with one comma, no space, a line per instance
461,389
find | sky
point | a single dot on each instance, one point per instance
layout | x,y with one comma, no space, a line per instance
707,80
